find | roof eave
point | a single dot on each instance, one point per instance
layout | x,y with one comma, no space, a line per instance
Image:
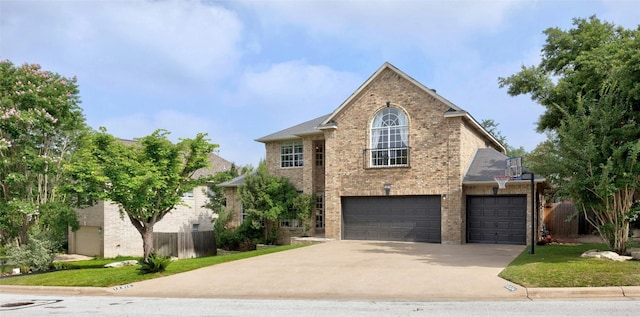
464,114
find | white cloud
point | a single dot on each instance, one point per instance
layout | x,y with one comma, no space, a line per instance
294,91
418,24
150,45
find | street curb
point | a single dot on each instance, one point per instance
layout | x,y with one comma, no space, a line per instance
56,290
584,292
631,292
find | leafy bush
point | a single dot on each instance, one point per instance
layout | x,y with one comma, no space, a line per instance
154,263
36,256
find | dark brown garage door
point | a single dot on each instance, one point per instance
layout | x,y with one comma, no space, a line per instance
497,219
392,218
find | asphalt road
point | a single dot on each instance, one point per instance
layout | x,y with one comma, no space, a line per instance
185,307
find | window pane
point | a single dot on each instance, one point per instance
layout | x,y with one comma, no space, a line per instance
291,154
389,138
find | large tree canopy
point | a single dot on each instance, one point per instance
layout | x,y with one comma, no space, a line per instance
589,81
576,63
145,178
40,125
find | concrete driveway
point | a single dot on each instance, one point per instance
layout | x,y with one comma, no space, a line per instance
351,270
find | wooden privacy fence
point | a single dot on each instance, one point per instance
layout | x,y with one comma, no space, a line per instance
185,244
555,219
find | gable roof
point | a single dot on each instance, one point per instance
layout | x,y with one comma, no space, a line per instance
375,75
316,125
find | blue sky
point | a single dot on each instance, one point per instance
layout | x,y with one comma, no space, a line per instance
239,70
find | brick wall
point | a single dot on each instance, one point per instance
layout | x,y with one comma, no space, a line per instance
441,150
435,152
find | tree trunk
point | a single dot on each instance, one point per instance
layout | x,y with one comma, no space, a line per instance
23,238
147,241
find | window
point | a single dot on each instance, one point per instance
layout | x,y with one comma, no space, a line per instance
389,139
290,223
195,227
320,211
319,155
291,154
243,214
188,194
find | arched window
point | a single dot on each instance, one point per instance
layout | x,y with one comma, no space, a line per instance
389,138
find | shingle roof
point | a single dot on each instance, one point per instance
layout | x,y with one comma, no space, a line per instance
486,164
238,181
296,131
218,164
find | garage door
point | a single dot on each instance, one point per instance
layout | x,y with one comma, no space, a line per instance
88,241
497,219
395,218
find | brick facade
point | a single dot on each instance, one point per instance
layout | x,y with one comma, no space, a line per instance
443,140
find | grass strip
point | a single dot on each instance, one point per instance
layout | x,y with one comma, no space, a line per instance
562,266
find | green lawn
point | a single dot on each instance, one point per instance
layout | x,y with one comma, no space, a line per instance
92,272
562,266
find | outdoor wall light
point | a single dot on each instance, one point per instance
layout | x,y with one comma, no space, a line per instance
387,189
99,230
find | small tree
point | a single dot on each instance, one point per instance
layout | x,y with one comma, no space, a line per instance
145,179
303,207
267,199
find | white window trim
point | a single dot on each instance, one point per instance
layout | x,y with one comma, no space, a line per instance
295,158
291,224
377,129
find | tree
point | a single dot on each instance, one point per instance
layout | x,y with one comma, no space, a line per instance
267,199
41,124
303,208
215,193
492,127
588,80
146,178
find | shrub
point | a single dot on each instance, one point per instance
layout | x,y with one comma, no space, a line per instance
36,256
242,238
154,263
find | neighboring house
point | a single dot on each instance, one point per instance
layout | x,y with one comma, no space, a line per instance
396,161
103,232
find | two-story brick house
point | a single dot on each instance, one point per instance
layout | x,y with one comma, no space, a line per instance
397,161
